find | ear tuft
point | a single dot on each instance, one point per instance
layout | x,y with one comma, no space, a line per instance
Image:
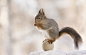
43,12
40,11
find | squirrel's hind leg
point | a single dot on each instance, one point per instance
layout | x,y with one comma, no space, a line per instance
50,41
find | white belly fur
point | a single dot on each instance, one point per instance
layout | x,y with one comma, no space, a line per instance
45,33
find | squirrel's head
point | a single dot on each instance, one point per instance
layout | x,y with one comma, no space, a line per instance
40,16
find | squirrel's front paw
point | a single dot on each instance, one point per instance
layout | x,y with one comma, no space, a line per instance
34,24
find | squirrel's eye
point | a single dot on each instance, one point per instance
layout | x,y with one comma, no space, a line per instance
39,18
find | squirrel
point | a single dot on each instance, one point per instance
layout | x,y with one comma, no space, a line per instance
50,29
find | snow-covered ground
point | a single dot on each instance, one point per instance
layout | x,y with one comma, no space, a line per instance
58,52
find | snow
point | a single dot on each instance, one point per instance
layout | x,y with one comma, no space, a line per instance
58,52
78,53
50,52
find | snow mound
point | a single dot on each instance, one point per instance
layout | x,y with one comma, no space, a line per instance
57,52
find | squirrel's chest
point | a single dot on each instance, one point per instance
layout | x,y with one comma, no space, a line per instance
45,34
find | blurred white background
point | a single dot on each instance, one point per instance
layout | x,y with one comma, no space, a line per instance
19,36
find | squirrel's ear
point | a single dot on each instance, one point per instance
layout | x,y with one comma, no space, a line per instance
43,12
40,11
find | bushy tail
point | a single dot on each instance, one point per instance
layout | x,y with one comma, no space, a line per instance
77,38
